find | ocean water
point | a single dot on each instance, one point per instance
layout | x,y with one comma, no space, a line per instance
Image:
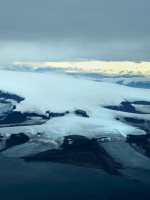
51,181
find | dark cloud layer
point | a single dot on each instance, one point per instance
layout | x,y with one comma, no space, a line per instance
71,29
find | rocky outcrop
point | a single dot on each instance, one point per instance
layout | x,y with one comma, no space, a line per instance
13,140
52,114
140,143
147,103
81,113
81,151
6,95
134,120
125,106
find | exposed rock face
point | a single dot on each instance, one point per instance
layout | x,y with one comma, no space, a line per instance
140,102
52,114
14,117
78,150
134,121
76,142
140,143
135,84
7,95
13,140
81,113
127,106
17,118
124,107
1,137
145,85
17,139
137,122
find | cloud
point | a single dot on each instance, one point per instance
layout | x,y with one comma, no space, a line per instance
72,29
90,66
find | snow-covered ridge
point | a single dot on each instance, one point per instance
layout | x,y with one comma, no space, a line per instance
136,81
61,93
137,78
133,81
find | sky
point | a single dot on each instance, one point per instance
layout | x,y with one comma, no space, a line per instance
70,30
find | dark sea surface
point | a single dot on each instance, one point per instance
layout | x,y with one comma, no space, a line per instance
49,181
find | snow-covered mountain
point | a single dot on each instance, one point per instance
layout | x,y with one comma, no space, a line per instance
41,112
130,81
135,81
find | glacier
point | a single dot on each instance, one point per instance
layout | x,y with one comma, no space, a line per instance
55,106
